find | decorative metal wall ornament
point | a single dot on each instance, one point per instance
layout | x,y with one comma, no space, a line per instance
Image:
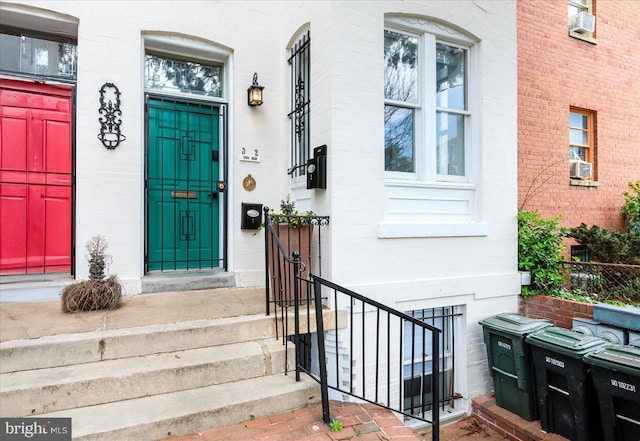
110,116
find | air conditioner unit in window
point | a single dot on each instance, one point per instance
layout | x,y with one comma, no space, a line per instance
580,169
582,23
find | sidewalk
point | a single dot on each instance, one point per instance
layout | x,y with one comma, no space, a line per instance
360,422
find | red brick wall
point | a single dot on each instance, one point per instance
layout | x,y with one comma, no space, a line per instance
558,311
556,71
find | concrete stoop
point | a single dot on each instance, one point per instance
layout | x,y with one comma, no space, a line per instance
151,382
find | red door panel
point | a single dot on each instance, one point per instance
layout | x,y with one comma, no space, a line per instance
13,250
35,229
13,136
57,155
35,178
57,221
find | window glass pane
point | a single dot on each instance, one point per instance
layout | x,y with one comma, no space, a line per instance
450,144
399,152
10,50
417,378
578,121
400,67
182,76
579,253
450,77
37,56
577,153
579,137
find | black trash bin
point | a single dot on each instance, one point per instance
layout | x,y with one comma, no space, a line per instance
510,364
615,371
567,400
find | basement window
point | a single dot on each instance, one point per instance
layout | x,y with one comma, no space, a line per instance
417,358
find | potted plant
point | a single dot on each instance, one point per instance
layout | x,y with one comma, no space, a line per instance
631,207
99,292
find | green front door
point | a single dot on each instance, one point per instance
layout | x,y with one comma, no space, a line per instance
183,209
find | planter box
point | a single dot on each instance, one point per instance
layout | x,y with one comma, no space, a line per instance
282,276
627,317
559,312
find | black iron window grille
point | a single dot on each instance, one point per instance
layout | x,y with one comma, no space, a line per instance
416,350
300,115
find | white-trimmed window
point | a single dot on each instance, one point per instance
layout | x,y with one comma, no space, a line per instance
430,158
426,107
417,358
300,104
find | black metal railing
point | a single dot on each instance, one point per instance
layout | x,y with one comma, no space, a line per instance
368,341
286,236
603,281
385,349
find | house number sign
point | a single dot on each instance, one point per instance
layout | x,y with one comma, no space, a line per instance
110,116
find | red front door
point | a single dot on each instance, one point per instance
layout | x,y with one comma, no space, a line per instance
35,178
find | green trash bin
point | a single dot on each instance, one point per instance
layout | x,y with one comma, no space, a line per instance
615,371
510,364
567,400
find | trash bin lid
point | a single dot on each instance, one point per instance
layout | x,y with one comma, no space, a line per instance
565,341
515,324
616,357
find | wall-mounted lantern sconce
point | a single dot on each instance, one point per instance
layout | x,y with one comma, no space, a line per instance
254,92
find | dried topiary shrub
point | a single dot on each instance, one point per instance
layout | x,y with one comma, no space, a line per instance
92,296
98,292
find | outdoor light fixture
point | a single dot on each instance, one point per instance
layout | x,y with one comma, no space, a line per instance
254,92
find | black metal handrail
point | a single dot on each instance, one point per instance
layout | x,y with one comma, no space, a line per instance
286,236
381,374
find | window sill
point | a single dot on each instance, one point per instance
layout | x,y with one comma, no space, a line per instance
584,37
584,183
407,230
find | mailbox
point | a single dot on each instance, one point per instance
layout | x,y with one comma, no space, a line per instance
317,168
251,216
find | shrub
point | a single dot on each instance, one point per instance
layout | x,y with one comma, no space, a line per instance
540,251
92,296
608,246
96,293
631,207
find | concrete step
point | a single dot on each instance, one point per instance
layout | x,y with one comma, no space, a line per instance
163,365
88,347
28,393
190,411
195,280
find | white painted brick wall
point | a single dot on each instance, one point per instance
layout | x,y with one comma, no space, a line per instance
479,273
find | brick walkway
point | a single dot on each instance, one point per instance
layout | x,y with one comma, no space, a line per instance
360,422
